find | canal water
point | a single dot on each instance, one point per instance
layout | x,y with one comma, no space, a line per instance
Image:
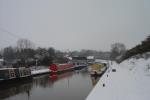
74,85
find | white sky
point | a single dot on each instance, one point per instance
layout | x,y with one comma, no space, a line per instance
75,24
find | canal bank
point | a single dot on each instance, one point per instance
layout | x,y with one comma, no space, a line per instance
126,81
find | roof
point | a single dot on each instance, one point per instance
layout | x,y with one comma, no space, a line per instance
101,61
79,58
90,57
6,68
1,60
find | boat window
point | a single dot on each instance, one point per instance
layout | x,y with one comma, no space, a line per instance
12,73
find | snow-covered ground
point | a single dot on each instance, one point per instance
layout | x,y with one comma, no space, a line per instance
131,81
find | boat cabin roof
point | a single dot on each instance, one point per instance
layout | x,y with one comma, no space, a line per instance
6,68
79,58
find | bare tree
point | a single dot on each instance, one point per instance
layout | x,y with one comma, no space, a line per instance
117,49
25,50
9,53
24,44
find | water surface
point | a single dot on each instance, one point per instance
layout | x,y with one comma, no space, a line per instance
75,85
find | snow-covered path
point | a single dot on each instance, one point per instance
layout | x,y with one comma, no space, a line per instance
131,81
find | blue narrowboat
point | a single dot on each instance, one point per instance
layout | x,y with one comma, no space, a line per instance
79,62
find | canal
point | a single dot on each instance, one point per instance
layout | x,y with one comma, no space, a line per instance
74,85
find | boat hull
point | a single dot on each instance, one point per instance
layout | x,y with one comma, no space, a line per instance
80,67
14,80
61,71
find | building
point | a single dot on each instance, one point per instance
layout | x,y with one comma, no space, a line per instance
1,62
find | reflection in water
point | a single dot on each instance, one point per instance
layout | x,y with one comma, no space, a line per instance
95,79
42,81
10,89
61,76
67,86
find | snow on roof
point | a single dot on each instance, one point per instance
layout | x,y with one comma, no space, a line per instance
90,57
6,68
101,61
130,82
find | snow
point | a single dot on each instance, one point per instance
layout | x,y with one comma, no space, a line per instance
90,57
101,61
131,81
6,68
40,71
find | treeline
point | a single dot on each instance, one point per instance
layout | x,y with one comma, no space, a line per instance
139,49
96,54
30,57
25,54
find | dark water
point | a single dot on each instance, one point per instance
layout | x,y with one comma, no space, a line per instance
67,86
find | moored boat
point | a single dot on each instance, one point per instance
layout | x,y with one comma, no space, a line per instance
78,66
98,69
14,73
79,62
57,68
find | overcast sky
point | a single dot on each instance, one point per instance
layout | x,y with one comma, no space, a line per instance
75,24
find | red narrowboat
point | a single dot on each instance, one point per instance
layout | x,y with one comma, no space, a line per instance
55,68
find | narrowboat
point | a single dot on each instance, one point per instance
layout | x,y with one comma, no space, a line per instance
58,68
79,65
79,62
97,69
14,73
7,73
